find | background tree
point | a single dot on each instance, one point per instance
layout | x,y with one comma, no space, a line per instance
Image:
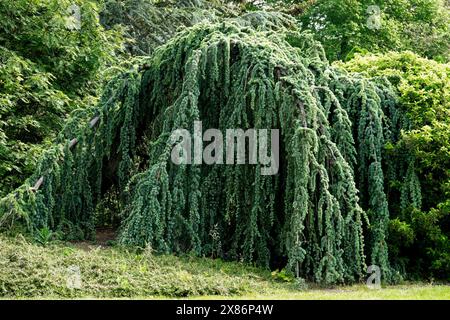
47,69
149,24
348,26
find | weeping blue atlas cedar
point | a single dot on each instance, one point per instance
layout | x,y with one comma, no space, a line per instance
323,212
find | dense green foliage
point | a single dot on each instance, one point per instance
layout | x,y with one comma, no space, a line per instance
364,165
420,221
348,26
47,69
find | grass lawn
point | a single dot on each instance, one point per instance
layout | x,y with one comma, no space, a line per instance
61,270
410,291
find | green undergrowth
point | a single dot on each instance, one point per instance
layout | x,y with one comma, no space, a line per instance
29,270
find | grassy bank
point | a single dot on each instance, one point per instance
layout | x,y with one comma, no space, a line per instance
32,271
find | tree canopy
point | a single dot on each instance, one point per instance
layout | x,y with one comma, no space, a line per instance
348,26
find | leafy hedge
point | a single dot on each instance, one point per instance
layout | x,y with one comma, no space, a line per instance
420,225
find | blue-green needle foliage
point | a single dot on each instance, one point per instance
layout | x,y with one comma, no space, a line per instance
256,71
